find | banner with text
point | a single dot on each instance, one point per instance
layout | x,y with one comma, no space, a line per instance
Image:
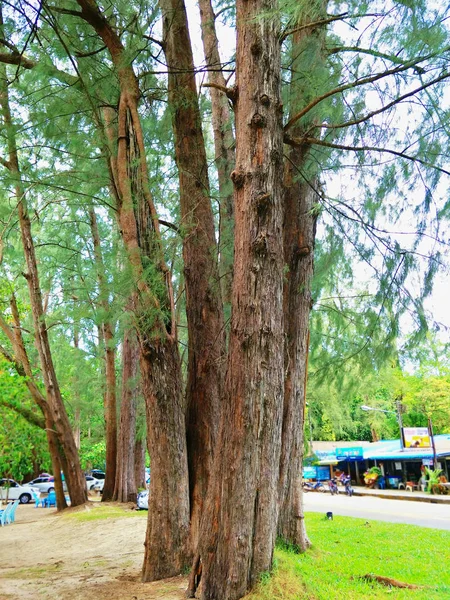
416,437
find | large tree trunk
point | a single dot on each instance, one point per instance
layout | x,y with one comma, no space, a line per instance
168,523
301,198
239,528
110,408
166,544
223,144
76,482
125,489
203,299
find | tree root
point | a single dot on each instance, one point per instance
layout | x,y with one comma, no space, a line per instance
387,581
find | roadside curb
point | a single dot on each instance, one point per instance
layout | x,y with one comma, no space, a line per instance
409,497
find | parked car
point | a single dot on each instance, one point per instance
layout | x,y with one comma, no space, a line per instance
43,484
142,500
98,474
98,487
12,490
91,482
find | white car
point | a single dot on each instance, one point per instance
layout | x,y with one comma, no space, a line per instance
43,484
14,491
98,487
91,482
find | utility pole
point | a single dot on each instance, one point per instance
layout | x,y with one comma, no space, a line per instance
430,429
310,429
400,422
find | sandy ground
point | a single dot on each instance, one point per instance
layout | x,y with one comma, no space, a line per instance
47,556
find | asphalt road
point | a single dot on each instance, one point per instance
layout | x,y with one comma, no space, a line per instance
423,514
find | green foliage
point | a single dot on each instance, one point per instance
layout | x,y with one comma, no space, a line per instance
23,446
92,455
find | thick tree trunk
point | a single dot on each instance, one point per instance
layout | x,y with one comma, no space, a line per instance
239,528
301,198
223,144
201,275
110,408
166,544
125,489
299,233
168,525
76,482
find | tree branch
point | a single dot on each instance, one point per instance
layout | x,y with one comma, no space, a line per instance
388,106
231,93
358,83
329,19
391,57
317,142
31,417
14,58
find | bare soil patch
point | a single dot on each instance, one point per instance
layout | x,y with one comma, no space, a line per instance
51,556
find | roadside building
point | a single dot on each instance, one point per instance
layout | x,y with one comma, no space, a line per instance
397,464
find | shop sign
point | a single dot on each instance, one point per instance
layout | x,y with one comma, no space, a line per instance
355,453
416,437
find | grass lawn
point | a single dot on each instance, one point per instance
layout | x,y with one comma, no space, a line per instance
345,549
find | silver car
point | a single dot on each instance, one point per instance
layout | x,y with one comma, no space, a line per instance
43,484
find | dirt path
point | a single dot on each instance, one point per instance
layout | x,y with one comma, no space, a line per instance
49,556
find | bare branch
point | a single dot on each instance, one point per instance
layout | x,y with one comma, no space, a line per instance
387,106
358,83
14,58
231,93
391,57
308,141
329,19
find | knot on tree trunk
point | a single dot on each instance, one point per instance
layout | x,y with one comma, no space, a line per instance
258,121
259,245
238,178
263,202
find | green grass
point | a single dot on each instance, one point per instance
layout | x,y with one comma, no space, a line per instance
99,511
346,549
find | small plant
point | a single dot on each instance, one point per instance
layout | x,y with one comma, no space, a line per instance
432,476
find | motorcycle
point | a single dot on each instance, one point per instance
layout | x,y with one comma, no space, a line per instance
347,482
311,486
332,486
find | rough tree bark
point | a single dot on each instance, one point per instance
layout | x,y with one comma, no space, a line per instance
301,199
223,144
76,482
239,529
167,539
125,489
206,346
110,407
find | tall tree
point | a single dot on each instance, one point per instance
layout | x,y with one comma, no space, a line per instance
110,365
74,476
222,124
125,489
166,546
301,209
206,345
240,520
